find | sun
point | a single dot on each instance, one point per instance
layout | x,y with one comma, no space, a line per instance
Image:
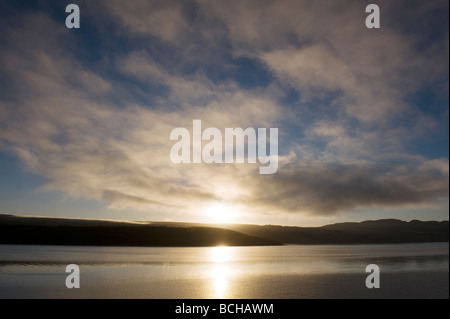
220,213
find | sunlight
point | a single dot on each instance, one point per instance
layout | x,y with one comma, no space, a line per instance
221,272
220,275
220,212
220,254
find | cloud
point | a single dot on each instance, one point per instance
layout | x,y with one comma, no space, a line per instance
100,129
327,190
66,130
162,19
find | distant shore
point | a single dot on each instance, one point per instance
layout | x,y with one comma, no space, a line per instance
58,231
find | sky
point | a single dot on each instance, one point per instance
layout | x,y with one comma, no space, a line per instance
362,114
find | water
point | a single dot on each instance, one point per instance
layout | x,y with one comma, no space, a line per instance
295,271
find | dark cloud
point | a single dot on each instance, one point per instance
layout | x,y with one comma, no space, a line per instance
327,190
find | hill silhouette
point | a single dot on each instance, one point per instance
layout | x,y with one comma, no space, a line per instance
60,231
49,231
382,231
367,232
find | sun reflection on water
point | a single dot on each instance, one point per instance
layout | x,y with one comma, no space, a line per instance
221,272
220,275
221,254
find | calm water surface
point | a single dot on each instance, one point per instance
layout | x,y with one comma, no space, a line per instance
296,271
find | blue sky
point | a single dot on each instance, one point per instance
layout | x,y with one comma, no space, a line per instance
86,114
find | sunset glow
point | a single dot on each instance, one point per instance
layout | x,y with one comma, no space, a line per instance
220,213
162,112
237,149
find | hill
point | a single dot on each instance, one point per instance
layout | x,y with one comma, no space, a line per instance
382,231
55,231
367,232
60,231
